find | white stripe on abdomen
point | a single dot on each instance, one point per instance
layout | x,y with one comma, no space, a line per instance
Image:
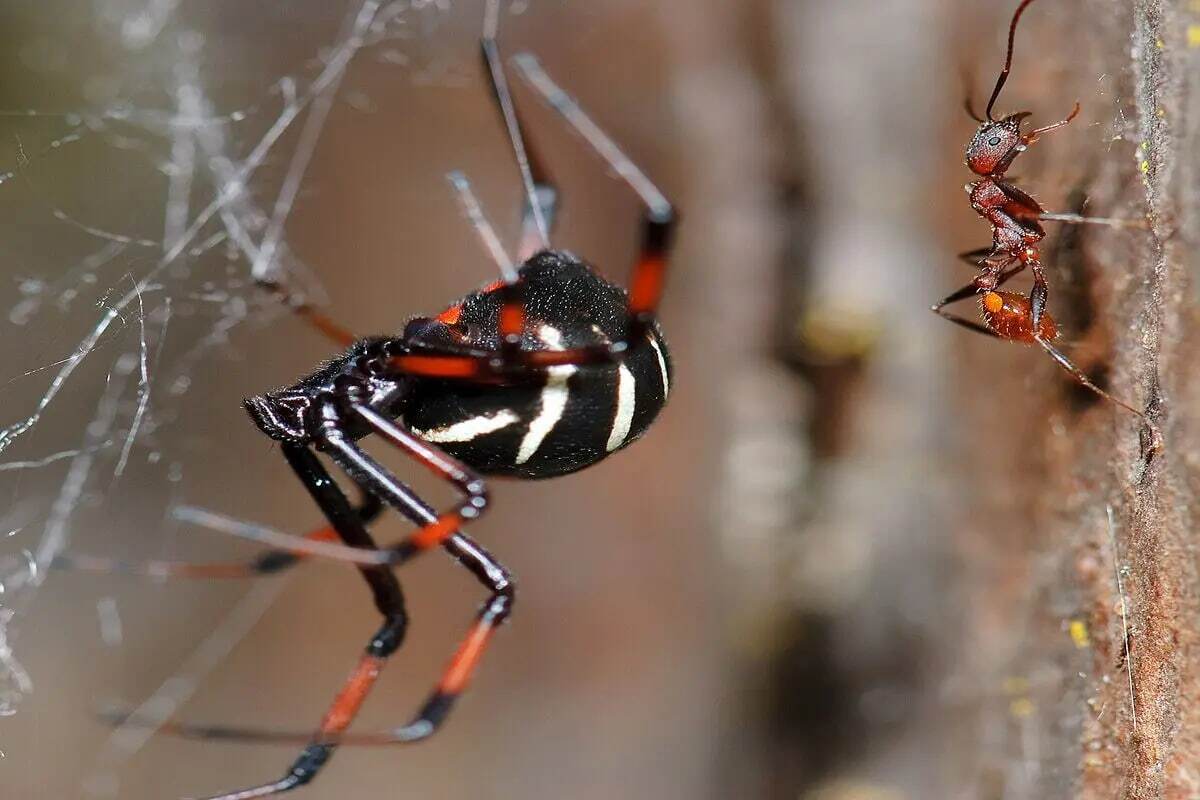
469,429
626,400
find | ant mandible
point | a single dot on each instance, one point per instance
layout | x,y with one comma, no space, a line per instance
1016,219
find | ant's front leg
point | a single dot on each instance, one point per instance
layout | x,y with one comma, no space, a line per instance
1037,133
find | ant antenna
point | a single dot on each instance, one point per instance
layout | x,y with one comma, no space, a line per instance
1012,33
491,60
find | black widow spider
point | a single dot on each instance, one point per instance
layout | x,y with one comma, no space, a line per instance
542,373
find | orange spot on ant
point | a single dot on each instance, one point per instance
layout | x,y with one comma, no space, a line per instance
993,302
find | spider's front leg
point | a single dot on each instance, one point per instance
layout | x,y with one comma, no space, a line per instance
650,267
389,599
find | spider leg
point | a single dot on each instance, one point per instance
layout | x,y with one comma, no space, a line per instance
658,222
318,321
646,283
532,173
437,706
268,562
546,199
462,664
432,532
483,228
389,599
541,196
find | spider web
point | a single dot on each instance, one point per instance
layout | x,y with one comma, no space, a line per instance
138,221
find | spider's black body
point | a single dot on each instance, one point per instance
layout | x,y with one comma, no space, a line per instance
563,420
572,416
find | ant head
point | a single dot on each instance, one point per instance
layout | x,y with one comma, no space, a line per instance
995,145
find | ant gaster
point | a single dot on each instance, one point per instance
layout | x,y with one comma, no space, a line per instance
1016,219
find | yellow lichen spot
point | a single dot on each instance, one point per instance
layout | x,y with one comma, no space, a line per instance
1079,633
850,789
993,302
1162,112
835,333
1159,44
1193,35
1144,146
1021,707
1144,166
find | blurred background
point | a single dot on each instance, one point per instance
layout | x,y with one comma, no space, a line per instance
850,561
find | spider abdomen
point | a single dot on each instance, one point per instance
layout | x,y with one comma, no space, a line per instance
573,416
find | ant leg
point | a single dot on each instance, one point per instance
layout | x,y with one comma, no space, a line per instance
972,289
977,257
1061,359
987,259
1079,219
1039,294
658,223
536,235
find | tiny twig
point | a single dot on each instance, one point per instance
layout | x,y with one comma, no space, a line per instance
1112,536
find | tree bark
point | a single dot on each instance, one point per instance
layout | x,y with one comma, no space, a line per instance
1159,756
1025,605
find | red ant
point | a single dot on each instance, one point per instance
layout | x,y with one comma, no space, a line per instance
1016,219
